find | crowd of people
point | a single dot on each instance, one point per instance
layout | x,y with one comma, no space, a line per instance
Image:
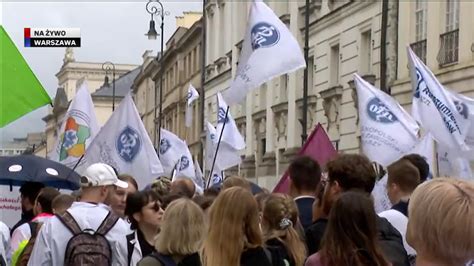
328,218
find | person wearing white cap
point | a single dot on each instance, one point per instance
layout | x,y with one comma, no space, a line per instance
53,244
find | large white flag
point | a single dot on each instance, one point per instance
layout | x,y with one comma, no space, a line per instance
451,165
199,178
190,98
230,133
433,107
123,143
387,130
269,50
77,131
172,151
211,143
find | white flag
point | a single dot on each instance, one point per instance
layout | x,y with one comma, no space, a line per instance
425,148
185,167
452,166
191,97
199,178
226,157
216,178
465,107
230,133
77,131
175,154
123,143
269,50
387,130
434,109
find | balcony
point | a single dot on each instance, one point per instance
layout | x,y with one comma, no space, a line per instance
448,53
419,48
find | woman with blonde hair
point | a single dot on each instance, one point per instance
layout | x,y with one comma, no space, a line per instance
441,222
234,236
280,217
181,236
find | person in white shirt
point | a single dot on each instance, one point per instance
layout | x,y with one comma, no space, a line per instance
4,240
89,213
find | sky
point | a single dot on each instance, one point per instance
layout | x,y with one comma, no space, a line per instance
110,31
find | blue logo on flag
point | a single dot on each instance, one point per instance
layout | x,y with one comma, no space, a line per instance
419,82
128,144
184,163
264,35
216,179
190,94
377,110
221,116
462,109
165,145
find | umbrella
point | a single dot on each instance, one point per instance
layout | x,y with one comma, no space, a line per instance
16,170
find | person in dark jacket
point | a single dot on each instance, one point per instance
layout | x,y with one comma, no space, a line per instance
28,191
305,174
351,172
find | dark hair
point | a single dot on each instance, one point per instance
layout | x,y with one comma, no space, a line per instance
351,233
136,201
352,172
404,174
212,191
184,187
305,173
46,197
30,190
204,201
261,198
419,162
170,198
129,179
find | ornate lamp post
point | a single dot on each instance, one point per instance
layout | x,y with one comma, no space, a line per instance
107,67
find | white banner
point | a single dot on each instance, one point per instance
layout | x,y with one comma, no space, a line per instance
77,131
192,96
268,50
123,143
434,109
387,130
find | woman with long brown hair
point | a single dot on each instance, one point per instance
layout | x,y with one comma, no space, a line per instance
280,217
351,236
234,237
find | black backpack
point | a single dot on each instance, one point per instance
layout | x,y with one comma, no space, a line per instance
165,260
88,247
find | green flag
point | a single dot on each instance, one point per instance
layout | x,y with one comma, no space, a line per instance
20,90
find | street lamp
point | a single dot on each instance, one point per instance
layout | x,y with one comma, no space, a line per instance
155,7
107,67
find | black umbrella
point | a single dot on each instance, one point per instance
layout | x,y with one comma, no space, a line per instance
16,170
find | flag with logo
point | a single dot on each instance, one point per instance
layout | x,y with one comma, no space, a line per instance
465,107
124,144
217,178
185,166
77,131
20,90
230,133
268,50
434,109
387,131
172,150
192,96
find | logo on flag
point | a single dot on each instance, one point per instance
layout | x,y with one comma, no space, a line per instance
76,133
216,179
128,144
419,80
264,35
462,109
221,117
378,112
165,145
184,163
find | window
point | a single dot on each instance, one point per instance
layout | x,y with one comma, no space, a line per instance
449,41
263,148
366,52
334,65
420,20
283,88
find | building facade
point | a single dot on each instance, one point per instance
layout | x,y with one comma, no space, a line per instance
345,37
179,67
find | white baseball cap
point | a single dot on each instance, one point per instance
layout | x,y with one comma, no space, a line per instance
101,174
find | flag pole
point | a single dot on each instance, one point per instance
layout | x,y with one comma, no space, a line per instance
75,166
217,148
